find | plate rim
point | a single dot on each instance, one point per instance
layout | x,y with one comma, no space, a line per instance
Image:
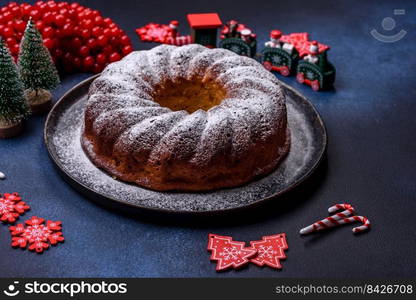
86,190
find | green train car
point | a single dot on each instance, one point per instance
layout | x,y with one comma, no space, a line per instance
240,47
319,76
279,60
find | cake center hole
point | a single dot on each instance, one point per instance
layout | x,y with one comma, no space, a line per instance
189,95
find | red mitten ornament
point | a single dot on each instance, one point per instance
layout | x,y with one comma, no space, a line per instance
38,235
228,253
270,250
11,207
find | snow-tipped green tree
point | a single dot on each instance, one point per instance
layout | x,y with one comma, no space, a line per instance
13,106
37,70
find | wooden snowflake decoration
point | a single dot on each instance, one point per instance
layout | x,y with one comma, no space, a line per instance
37,235
11,207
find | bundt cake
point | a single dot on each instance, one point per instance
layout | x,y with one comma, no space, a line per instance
186,118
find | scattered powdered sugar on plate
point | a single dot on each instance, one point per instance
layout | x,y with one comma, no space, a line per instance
63,134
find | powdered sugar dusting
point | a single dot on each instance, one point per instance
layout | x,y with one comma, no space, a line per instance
63,140
243,78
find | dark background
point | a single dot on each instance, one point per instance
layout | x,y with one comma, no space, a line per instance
370,163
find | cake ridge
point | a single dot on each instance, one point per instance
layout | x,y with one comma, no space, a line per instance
188,128
180,59
206,149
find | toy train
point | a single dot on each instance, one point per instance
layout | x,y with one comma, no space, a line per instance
292,54
289,55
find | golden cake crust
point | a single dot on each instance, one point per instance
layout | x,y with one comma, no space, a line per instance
139,129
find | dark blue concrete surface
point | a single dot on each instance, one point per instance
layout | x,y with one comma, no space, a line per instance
371,162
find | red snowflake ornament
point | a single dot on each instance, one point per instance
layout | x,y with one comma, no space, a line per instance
270,250
36,234
228,253
11,207
302,43
162,33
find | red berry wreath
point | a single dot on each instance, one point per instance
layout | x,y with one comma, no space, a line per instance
79,38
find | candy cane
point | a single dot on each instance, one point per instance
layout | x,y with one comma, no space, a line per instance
366,223
337,207
331,221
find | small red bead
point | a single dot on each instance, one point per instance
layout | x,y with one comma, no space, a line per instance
115,32
115,41
10,41
88,24
88,61
74,5
77,30
43,8
98,20
35,14
127,49
49,43
19,25
77,62
101,59
52,6
107,50
102,40
40,25
107,32
8,32
7,16
108,21
15,11
62,5
15,49
68,57
92,43
88,13
125,40
95,13
58,53
72,13
97,68
84,51
64,12
114,57
85,33
96,31
59,20
58,32
67,29
26,9
76,43
48,17
48,32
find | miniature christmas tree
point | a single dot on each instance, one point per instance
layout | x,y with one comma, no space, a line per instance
13,107
37,69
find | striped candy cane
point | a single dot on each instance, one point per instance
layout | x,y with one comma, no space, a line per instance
366,223
331,221
344,206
